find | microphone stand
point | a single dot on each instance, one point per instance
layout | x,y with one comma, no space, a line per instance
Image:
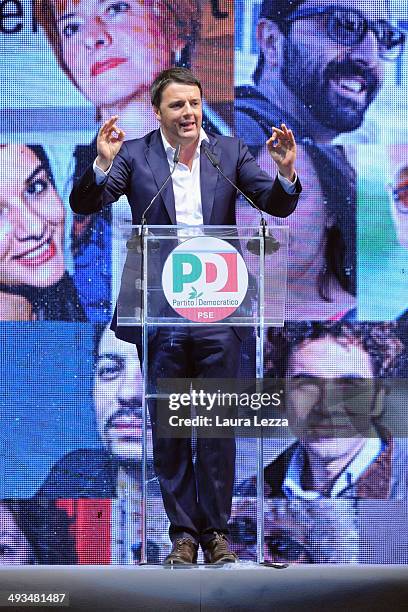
132,244
270,245
142,233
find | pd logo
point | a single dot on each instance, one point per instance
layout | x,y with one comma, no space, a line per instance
205,279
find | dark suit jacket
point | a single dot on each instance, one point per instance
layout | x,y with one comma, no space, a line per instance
141,167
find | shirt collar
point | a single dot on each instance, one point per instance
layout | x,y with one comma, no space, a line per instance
171,150
292,486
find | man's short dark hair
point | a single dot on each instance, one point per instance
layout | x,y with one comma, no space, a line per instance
171,75
276,11
279,10
379,340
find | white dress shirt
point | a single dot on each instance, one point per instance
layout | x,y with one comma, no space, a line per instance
186,185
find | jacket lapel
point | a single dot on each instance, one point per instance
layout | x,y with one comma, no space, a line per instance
208,179
157,160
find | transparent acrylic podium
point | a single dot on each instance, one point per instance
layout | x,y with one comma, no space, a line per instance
167,271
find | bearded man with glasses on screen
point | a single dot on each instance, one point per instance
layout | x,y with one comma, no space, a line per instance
320,66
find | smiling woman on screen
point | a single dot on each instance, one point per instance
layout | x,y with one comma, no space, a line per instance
34,283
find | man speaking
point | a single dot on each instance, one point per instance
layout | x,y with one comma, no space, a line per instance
197,497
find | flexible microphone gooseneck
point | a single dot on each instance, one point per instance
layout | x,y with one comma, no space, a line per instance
137,240
271,245
176,159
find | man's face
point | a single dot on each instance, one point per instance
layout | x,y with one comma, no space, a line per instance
180,113
118,397
336,83
330,395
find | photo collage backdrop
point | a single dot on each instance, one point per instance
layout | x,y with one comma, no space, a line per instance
336,74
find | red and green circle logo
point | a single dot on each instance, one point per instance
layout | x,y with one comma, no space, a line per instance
205,279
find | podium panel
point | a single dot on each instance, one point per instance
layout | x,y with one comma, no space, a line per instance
221,275
188,277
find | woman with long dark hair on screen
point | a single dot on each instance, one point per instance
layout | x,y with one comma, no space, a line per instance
34,282
322,242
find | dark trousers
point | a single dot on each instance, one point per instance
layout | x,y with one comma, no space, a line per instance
196,496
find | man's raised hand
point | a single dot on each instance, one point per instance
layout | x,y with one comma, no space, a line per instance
282,148
109,141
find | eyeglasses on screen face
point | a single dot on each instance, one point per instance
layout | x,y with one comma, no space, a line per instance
349,27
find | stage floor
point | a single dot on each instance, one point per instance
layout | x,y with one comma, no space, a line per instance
239,588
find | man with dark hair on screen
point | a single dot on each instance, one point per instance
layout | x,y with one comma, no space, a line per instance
117,400
336,377
113,471
197,496
320,66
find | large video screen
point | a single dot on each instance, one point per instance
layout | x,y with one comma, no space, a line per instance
336,73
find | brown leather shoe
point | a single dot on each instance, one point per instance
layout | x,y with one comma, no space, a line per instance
217,551
184,551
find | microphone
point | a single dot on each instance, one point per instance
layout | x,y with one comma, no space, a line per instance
176,156
133,242
271,245
176,159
